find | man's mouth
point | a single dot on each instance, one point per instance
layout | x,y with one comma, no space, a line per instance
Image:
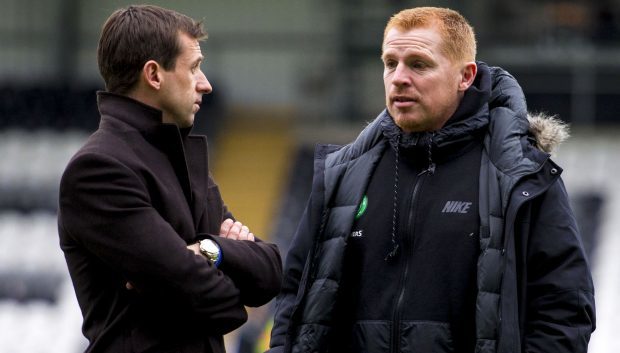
403,101
197,106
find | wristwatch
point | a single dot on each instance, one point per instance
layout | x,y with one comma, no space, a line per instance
210,250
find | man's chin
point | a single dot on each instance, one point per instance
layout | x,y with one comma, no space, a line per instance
407,122
187,123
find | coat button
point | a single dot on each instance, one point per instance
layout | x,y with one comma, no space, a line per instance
525,193
554,171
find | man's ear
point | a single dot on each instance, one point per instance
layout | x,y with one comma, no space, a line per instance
468,74
151,74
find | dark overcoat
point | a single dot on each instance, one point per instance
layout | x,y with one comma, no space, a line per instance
131,200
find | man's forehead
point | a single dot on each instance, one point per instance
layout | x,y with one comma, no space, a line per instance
415,36
194,45
189,42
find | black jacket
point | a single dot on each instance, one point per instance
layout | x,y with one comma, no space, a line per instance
131,200
534,288
410,261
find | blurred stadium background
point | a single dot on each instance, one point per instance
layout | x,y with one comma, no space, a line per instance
286,75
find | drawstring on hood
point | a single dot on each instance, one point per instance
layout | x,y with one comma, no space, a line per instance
430,169
429,153
392,254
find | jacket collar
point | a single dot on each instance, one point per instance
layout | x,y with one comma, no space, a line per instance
115,108
187,153
126,114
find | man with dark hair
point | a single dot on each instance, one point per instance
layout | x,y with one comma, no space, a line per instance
157,261
444,227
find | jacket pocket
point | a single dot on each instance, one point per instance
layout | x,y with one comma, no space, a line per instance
371,336
425,337
311,338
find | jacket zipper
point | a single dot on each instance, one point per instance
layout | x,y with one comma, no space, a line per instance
405,272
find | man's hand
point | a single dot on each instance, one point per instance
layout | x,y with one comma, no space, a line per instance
235,230
195,248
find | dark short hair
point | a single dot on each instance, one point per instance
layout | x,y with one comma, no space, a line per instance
134,35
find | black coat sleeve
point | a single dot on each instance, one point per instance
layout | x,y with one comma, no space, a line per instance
254,266
296,259
105,207
560,314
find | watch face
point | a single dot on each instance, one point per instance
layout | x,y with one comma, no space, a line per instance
210,249
209,246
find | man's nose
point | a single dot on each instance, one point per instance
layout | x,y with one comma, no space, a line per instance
203,85
402,76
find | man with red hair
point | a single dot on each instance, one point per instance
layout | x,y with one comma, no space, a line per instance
445,226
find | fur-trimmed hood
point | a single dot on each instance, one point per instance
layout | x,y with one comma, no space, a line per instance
548,131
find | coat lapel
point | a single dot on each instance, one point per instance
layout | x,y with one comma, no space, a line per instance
198,167
168,139
190,163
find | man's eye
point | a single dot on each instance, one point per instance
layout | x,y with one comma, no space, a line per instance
390,64
418,65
